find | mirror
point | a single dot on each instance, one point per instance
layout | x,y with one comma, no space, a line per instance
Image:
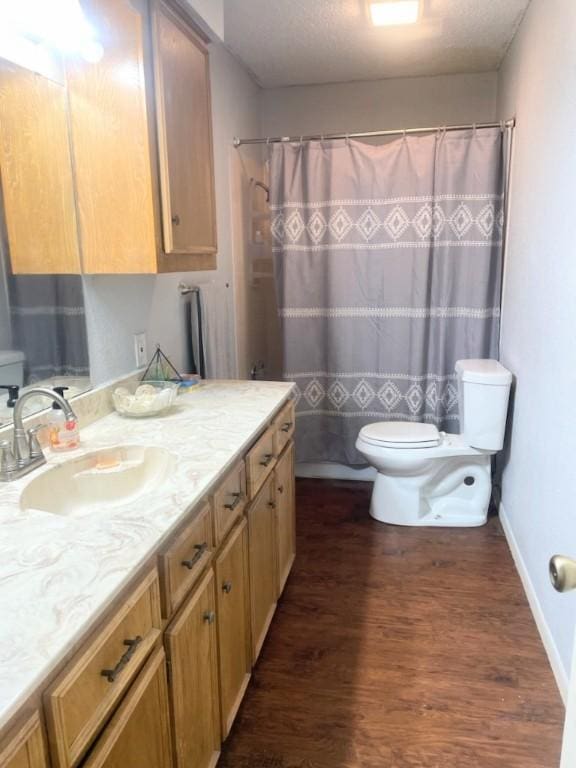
43,336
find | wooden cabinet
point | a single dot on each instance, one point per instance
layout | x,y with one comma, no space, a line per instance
284,427
91,686
111,147
232,610
229,502
260,461
184,124
262,549
139,732
24,747
36,173
185,559
115,703
285,516
191,645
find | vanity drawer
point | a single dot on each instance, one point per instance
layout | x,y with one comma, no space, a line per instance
229,502
82,698
260,461
185,559
284,427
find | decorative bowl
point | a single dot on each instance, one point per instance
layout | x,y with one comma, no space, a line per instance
148,398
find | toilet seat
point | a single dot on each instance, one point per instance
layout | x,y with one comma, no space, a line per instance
400,434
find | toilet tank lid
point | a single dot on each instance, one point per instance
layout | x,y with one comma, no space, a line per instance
10,357
484,372
399,433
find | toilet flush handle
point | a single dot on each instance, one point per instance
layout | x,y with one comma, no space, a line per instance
562,573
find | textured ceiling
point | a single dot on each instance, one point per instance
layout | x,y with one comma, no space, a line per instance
295,42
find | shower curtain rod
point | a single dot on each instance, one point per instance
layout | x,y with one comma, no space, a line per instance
370,134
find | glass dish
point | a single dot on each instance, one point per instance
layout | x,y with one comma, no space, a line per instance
148,398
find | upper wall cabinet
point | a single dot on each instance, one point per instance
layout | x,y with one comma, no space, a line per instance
111,144
184,126
109,170
36,173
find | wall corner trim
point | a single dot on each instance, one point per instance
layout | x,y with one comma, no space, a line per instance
554,659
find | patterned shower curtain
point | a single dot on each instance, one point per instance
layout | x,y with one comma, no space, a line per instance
388,263
49,325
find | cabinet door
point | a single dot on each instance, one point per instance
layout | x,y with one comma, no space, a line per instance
184,136
193,662
110,140
285,515
25,747
36,172
232,596
139,732
262,548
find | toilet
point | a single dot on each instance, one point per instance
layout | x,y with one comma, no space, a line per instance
12,367
427,477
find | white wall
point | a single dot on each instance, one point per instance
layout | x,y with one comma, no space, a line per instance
538,83
411,102
119,306
209,14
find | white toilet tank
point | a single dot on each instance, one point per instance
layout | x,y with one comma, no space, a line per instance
483,391
11,367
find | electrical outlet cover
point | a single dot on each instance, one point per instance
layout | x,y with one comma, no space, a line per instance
140,349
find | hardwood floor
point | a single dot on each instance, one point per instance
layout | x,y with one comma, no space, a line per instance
397,648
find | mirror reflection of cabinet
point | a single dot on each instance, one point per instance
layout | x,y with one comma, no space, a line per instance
184,124
36,172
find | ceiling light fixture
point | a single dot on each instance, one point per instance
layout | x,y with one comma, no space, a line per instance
394,13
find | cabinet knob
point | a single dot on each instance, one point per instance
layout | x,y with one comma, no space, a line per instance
271,505
176,219
280,489
209,617
227,587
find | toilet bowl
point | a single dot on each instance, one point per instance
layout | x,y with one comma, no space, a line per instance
427,477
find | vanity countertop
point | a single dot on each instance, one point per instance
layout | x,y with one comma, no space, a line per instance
58,573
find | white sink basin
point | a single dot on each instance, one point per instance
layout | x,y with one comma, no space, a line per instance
108,478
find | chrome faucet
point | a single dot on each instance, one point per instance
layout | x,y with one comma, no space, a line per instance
25,453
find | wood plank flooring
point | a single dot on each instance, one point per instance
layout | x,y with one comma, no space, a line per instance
397,648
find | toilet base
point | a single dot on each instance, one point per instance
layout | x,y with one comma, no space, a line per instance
456,495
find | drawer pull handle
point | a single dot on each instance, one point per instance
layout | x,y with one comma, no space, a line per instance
266,459
112,674
209,617
200,549
280,489
227,587
234,504
287,426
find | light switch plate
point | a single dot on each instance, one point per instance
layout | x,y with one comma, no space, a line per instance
140,349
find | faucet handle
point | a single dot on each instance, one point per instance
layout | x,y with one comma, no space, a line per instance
7,460
34,447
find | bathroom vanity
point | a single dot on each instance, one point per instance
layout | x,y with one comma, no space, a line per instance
129,628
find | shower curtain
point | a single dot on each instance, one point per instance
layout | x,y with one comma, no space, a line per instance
388,264
49,325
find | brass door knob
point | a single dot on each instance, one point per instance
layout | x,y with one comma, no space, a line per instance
562,573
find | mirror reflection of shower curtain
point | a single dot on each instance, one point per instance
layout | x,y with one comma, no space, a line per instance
49,325
388,265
